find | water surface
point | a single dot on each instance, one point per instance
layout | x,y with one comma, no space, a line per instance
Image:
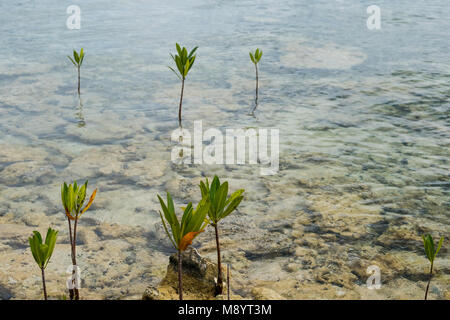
364,137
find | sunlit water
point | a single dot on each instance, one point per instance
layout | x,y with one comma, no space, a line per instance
363,118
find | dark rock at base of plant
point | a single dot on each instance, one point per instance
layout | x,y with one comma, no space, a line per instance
198,279
193,263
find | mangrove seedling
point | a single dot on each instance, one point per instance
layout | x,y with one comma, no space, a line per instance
77,61
220,207
73,198
184,63
255,57
431,254
42,252
183,233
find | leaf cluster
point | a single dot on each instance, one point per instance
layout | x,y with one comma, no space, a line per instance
42,252
256,56
78,58
192,222
428,244
216,194
183,60
73,198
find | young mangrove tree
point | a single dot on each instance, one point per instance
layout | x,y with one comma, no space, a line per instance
221,205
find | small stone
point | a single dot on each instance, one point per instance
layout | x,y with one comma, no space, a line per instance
151,293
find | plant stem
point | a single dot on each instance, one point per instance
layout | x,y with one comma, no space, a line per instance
79,80
70,238
180,280
43,283
257,85
181,102
257,88
228,281
219,285
75,242
74,281
71,292
429,280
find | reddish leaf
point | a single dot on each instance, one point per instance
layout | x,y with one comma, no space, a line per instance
187,239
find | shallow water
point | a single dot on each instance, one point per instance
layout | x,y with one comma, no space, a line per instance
364,135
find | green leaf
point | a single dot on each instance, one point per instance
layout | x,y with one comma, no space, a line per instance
428,244
220,199
81,57
81,196
260,55
167,231
184,56
165,210
174,72
38,236
186,68
192,52
43,249
196,219
71,198
191,63
439,247
72,61
63,194
187,214
233,205
179,65
234,196
252,58
170,204
50,240
34,243
76,57
171,218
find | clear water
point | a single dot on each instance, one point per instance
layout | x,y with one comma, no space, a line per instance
363,118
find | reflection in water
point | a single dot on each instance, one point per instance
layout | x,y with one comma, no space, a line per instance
79,114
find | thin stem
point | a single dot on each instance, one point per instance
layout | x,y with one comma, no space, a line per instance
79,80
71,292
257,85
257,88
74,281
219,285
429,280
228,281
71,241
75,242
181,102
43,283
180,280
